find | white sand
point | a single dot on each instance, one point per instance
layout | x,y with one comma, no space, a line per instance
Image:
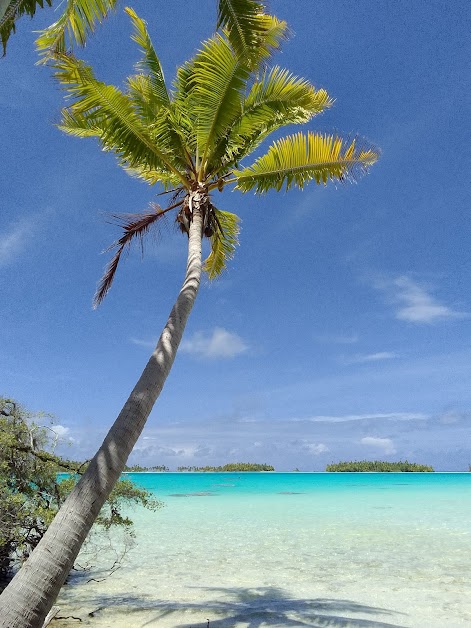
245,563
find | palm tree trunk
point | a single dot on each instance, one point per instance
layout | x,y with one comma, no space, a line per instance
32,592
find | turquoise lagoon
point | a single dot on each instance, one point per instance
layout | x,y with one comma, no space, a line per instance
287,549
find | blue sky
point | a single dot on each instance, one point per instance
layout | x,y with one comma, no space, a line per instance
342,328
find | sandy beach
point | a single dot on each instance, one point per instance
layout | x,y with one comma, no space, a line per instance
374,557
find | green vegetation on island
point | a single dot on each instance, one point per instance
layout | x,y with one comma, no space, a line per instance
235,467
31,491
136,468
378,466
231,467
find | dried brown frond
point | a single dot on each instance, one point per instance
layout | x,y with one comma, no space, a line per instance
134,226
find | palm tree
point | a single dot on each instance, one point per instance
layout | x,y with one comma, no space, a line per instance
192,139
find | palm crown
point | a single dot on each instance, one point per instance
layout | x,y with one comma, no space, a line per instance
224,102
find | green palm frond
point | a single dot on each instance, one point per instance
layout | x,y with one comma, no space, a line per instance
123,132
223,243
170,131
78,20
169,125
187,77
181,83
218,80
241,19
152,177
81,126
298,159
141,94
11,10
150,63
278,95
95,125
247,25
271,35
279,99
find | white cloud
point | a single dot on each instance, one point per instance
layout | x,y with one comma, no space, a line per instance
416,305
391,416
317,449
385,444
369,357
218,344
60,430
306,446
149,344
14,240
338,339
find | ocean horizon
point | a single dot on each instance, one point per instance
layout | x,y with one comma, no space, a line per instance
243,549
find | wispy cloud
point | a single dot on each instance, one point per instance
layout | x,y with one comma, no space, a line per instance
219,343
14,240
60,430
149,344
414,303
385,445
309,447
390,416
369,357
337,339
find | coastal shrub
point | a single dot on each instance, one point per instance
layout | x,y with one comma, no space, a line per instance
378,466
31,489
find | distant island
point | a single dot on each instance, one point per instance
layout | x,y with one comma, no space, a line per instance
136,468
237,467
379,467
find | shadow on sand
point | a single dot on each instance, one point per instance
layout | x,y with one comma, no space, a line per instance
251,607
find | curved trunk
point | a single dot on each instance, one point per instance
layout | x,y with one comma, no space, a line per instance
28,598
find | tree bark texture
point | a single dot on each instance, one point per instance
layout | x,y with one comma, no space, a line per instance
32,592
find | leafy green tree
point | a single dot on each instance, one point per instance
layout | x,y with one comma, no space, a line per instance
378,466
31,492
192,140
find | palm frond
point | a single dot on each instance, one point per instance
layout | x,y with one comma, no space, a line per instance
247,25
218,80
240,18
223,243
279,95
168,125
123,132
11,11
134,226
278,99
80,125
152,177
181,83
172,134
78,20
150,63
142,96
272,33
298,159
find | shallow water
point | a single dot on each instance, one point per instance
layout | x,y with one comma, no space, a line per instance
295,549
